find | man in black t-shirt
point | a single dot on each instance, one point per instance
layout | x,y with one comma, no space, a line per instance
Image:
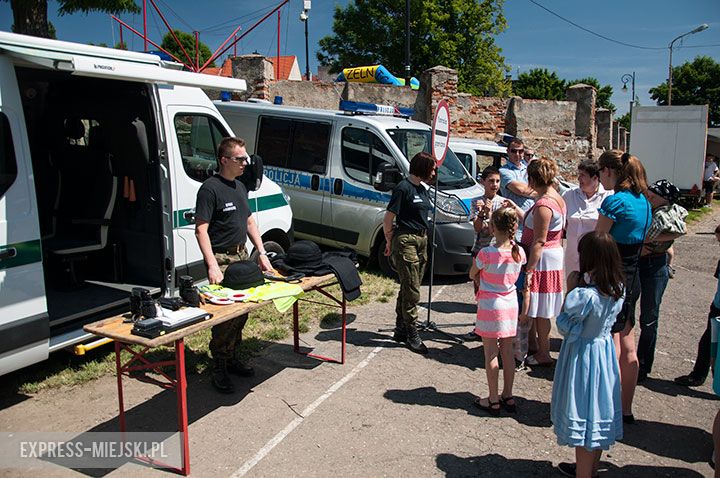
223,224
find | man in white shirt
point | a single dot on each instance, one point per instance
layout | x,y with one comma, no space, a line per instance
710,178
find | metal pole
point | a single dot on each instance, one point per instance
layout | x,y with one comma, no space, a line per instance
432,254
700,28
632,100
197,50
145,25
307,51
669,98
277,63
407,53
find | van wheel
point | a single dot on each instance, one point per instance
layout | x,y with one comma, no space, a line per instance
383,261
271,247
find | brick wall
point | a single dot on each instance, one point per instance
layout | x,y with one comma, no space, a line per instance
566,131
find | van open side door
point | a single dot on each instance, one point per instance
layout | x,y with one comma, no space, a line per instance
24,321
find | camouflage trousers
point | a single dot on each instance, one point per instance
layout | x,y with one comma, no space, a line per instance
409,256
226,337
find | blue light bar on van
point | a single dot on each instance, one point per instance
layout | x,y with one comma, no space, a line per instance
358,108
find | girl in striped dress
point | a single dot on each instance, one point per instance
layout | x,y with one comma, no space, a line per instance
542,240
495,270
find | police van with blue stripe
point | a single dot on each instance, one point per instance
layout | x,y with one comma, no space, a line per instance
335,166
102,154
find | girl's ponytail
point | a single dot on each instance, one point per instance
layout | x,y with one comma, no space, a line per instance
516,252
506,220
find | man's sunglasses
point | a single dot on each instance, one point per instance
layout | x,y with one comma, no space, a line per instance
239,159
514,150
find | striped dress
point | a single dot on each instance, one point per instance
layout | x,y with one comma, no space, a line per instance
546,289
497,311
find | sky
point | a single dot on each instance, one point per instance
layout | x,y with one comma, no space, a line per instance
534,38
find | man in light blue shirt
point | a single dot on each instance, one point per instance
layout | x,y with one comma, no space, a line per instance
514,179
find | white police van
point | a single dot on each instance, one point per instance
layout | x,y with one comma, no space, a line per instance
478,154
102,154
336,166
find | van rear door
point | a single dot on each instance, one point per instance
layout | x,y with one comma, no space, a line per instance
24,322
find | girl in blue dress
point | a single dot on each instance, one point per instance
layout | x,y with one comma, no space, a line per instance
586,410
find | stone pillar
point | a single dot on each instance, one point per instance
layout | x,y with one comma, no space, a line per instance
622,137
511,115
257,71
615,139
627,141
603,121
436,83
584,96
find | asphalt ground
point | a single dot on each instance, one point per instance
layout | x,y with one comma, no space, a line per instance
390,412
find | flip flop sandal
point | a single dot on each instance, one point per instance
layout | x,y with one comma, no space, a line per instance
509,407
532,361
493,408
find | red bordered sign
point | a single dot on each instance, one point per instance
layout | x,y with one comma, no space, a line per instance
441,132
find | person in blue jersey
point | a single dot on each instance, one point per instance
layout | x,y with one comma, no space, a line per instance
627,216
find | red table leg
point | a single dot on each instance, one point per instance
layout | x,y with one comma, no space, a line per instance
181,390
179,383
119,371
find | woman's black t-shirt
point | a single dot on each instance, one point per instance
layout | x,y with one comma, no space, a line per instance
410,204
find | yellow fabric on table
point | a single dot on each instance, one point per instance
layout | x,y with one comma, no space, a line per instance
282,294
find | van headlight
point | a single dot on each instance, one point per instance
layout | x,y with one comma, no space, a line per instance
449,208
287,198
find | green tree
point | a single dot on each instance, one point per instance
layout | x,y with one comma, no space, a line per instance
540,84
188,42
30,16
604,93
624,120
459,34
694,83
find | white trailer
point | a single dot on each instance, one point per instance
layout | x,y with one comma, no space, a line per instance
670,141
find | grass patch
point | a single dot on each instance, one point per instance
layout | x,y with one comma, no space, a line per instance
697,214
265,325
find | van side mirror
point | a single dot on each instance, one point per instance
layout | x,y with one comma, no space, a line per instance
387,177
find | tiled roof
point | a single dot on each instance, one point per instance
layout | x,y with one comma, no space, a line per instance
224,70
286,65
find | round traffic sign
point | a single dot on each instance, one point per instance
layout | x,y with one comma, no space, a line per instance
441,132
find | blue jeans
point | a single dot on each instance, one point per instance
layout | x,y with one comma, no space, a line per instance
653,281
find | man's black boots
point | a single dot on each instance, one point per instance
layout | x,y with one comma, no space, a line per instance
414,341
220,378
400,334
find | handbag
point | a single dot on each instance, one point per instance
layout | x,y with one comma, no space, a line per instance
627,311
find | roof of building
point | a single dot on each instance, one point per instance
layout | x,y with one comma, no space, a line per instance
224,70
286,64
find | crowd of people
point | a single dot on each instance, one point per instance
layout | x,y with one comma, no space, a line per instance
618,232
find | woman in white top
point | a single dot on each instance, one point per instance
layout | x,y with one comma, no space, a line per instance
582,203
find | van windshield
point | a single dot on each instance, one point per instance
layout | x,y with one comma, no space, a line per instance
451,175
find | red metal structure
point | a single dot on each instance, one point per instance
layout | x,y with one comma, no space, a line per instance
194,64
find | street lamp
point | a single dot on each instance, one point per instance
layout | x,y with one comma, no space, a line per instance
627,77
304,19
702,27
